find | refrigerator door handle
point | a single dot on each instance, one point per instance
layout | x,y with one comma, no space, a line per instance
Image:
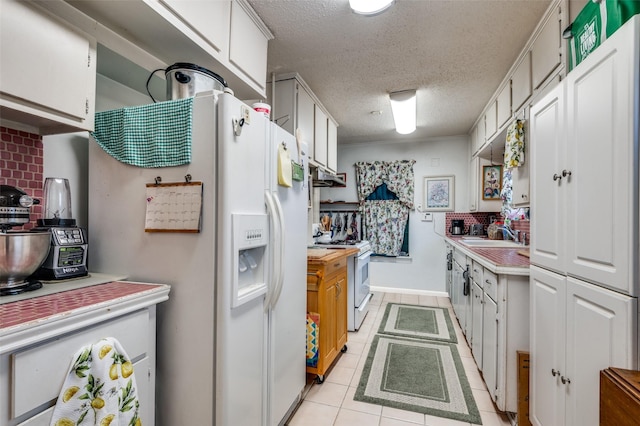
280,247
275,254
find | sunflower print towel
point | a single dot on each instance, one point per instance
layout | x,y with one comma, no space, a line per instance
100,389
514,147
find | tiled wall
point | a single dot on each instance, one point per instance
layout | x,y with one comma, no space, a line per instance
469,219
21,165
483,218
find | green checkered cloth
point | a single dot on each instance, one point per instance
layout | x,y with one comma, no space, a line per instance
156,135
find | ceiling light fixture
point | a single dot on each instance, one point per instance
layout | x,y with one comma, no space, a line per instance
403,106
369,7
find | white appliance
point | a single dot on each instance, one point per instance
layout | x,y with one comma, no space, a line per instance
358,284
231,336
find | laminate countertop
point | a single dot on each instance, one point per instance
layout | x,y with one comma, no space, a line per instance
509,261
50,313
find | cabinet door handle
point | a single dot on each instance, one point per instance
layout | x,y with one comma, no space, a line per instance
556,177
566,173
554,372
564,380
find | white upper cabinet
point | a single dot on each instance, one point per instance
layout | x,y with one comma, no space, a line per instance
332,146
47,72
480,135
305,117
247,45
585,167
548,188
224,36
504,104
545,52
321,133
210,19
296,108
491,120
602,162
521,83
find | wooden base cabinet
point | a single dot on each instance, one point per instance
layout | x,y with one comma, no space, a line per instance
577,329
327,295
619,397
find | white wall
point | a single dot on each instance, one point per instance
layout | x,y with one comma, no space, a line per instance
424,272
66,155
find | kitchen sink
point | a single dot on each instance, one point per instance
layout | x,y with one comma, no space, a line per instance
477,242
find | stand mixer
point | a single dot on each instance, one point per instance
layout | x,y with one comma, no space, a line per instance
68,255
21,252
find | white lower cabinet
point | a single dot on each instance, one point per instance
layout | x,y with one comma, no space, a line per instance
32,376
489,352
477,299
494,318
577,329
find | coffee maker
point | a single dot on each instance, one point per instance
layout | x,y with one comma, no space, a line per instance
457,227
68,255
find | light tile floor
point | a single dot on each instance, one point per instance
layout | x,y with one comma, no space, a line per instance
331,403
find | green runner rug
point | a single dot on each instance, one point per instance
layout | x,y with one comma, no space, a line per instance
418,322
417,375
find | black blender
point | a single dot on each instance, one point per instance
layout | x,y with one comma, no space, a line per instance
68,255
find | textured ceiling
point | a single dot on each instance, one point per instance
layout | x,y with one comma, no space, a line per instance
454,52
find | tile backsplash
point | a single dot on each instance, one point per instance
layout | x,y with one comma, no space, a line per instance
483,218
22,164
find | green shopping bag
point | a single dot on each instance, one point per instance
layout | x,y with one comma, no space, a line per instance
598,20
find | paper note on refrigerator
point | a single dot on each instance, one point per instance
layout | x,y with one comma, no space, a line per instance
173,207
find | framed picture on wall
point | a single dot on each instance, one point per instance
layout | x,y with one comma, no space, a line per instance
438,193
491,182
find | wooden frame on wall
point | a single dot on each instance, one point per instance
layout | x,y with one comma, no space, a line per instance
491,182
438,193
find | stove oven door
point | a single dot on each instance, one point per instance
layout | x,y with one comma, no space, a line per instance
362,291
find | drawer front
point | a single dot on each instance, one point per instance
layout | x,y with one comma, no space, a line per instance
476,273
334,267
142,381
39,372
491,285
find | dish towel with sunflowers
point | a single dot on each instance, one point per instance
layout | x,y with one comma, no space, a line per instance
100,388
514,146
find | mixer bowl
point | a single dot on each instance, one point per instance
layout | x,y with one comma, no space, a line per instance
21,254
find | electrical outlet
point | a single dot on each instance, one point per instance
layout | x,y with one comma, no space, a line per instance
427,217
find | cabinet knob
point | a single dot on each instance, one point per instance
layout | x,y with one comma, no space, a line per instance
554,372
565,380
556,177
566,173
523,196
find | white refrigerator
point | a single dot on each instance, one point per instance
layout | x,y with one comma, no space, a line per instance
231,337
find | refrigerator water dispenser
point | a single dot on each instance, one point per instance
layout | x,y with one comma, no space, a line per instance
250,239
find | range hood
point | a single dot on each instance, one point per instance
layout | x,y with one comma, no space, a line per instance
323,178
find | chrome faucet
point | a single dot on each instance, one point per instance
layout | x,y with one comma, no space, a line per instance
515,235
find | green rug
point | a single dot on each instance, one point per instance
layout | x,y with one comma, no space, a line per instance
418,322
417,375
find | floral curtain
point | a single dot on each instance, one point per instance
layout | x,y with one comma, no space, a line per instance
385,220
398,175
